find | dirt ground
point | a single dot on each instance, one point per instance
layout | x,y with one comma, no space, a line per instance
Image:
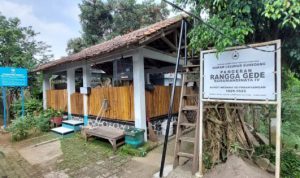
72,157
236,167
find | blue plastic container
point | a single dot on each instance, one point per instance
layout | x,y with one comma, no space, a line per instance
134,137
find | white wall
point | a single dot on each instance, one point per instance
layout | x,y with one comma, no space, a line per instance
139,92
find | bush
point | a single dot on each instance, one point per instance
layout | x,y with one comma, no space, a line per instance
32,106
22,127
291,111
43,119
290,161
290,164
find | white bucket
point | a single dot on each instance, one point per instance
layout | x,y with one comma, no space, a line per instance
164,128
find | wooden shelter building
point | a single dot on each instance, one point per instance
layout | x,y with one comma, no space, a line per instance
127,72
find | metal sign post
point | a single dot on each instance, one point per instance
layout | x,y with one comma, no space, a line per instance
12,77
4,106
22,95
246,75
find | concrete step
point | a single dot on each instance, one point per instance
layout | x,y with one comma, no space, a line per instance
75,125
73,122
62,130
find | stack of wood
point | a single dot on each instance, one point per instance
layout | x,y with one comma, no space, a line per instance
227,132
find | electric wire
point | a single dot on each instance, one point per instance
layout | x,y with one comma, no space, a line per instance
215,29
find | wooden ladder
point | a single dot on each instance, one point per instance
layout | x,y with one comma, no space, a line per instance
188,117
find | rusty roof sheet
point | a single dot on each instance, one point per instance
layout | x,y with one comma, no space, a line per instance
129,39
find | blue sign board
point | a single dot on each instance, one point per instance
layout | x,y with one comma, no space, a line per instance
13,77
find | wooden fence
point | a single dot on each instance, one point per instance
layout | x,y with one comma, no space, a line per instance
57,99
158,101
77,103
120,102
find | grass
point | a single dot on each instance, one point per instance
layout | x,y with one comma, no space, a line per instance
141,151
36,139
77,153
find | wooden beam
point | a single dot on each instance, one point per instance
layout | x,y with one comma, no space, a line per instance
93,60
168,42
168,69
159,55
157,35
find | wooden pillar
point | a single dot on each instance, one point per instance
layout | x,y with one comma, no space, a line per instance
46,86
139,92
70,88
86,75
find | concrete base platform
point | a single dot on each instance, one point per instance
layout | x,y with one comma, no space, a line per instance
73,122
62,130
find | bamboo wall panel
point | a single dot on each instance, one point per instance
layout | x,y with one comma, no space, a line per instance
77,103
120,101
57,99
158,101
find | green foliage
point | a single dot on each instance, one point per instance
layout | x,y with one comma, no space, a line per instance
31,106
207,160
291,109
243,22
18,46
265,151
75,45
102,20
22,127
290,161
141,151
201,36
287,11
290,164
77,153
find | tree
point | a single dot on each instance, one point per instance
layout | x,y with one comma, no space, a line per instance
19,48
75,45
239,22
95,19
103,20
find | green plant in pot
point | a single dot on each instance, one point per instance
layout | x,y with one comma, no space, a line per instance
56,117
46,118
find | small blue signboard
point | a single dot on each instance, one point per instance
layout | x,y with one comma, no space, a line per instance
13,77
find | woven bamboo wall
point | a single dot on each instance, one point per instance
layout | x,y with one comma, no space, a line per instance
120,102
57,99
158,101
77,103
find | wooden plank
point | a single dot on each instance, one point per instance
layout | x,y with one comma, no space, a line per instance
57,99
158,101
77,103
120,100
121,104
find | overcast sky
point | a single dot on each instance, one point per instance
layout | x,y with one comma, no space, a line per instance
56,20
